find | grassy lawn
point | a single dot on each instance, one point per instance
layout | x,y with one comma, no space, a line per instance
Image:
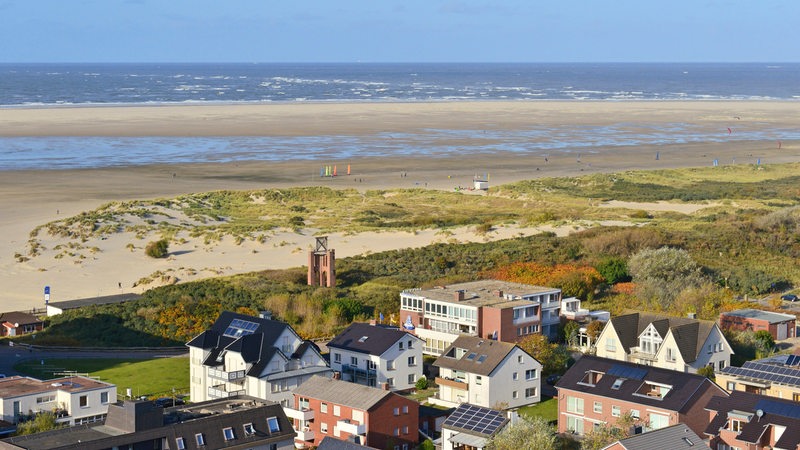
548,409
151,377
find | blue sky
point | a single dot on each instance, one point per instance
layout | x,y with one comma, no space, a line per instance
399,31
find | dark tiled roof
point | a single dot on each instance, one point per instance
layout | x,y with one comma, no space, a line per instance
494,351
690,334
208,418
330,443
685,386
378,338
775,412
19,317
342,392
676,437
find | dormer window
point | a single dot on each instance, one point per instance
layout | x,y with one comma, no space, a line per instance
652,389
650,341
617,383
736,426
363,339
180,444
200,439
249,429
228,434
274,426
591,378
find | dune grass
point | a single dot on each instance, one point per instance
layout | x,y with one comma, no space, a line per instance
149,377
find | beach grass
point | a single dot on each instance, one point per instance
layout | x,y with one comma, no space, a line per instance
150,377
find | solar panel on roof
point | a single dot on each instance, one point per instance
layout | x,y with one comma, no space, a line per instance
633,373
475,418
793,360
779,408
239,328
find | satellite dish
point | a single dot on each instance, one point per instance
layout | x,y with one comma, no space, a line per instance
760,413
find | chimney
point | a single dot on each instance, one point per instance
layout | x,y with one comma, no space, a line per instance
373,322
691,315
459,295
337,375
385,386
499,293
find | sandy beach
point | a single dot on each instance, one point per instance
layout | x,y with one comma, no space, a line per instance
32,198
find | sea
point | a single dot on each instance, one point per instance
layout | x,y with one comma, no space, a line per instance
76,85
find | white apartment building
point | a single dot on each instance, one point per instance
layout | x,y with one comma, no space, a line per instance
245,355
374,355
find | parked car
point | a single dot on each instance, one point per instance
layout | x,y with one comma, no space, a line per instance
552,379
789,297
2,375
168,402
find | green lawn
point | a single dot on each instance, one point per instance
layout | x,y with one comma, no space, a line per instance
548,409
150,377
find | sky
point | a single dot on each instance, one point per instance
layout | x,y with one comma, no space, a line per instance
399,31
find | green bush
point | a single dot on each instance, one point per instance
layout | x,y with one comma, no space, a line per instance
422,384
157,249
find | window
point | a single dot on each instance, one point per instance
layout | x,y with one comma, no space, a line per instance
179,444
736,426
83,401
635,413
575,425
478,380
400,345
390,382
274,426
412,378
249,430
49,398
397,431
410,342
670,354
104,397
574,405
530,374
515,376
405,429
371,365
323,428
323,408
396,411
412,361
390,364
530,392
337,357
615,411
405,409
721,365
353,361
228,434
514,394
658,421
337,411
611,345
200,439
598,407
519,359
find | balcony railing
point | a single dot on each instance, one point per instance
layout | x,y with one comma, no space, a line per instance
220,392
452,383
226,376
305,434
304,414
351,428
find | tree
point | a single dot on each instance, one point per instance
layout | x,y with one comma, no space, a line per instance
526,434
427,444
614,270
662,274
422,383
157,249
553,357
765,344
571,329
707,371
43,421
601,437
594,329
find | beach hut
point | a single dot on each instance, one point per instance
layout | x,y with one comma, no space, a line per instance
480,185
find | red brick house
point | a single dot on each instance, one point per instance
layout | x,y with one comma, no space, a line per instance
597,391
351,412
780,326
18,323
754,422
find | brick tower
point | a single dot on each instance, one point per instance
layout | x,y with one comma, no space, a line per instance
321,264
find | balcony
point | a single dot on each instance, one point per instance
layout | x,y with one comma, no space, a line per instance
303,414
305,434
452,383
226,376
577,314
350,427
219,391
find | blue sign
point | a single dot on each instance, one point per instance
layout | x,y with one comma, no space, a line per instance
46,290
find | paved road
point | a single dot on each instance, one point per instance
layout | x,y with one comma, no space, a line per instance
9,356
